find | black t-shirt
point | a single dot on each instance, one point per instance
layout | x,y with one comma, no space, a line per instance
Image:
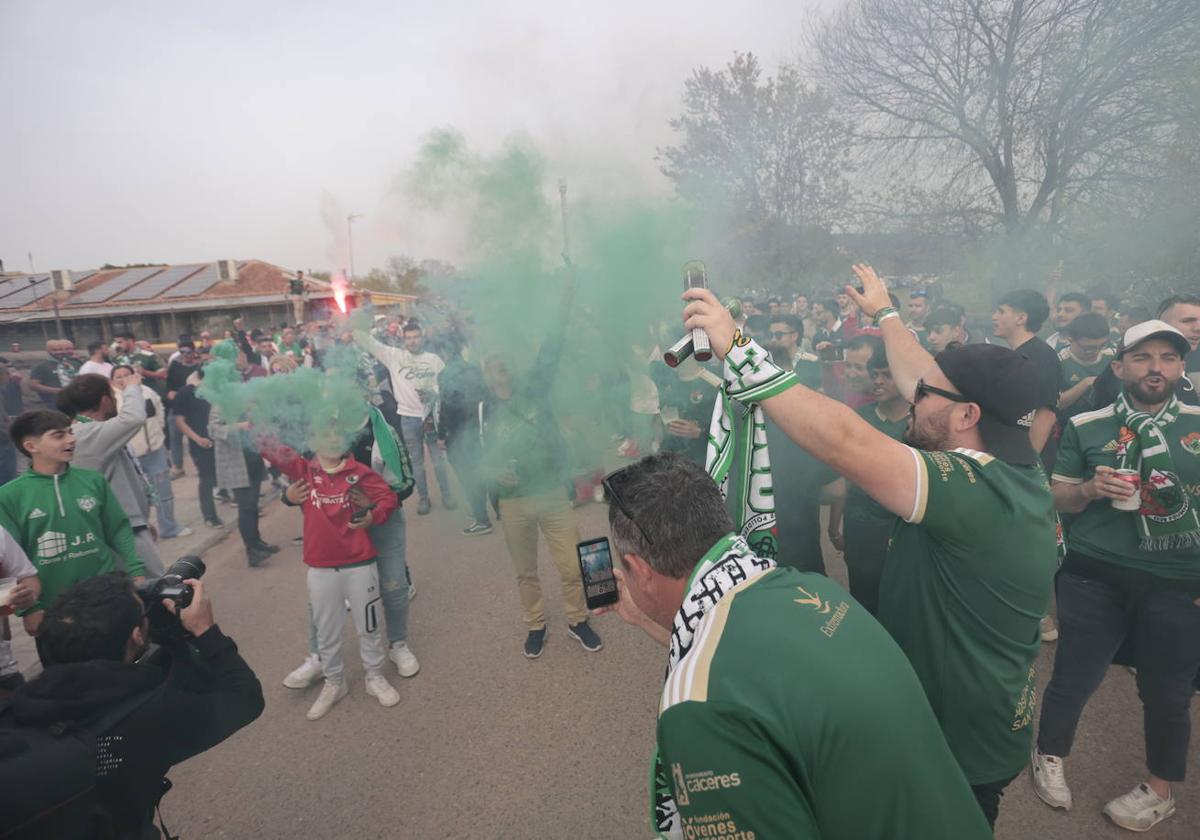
53,373
1046,361
193,409
177,374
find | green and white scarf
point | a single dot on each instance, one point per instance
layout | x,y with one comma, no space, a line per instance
1166,521
738,434
727,564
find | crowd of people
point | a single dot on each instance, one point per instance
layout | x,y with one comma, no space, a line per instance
978,482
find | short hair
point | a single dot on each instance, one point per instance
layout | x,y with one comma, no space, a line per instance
128,335
774,300
83,394
755,324
1032,303
94,346
1088,325
874,342
1139,314
677,506
879,358
1110,300
91,620
122,367
943,316
794,323
1176,300
1076,297
829,304
34,424
186,345
413,326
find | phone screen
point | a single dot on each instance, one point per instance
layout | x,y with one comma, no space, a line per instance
596,568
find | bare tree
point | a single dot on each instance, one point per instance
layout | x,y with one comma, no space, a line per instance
1029,107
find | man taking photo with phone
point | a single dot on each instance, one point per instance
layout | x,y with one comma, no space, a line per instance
786,705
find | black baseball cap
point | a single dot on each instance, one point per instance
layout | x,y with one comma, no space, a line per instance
1004,384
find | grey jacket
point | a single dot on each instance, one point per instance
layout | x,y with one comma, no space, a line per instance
229,450
102,445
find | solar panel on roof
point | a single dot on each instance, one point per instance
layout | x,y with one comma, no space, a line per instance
80,276
196,284
159,283
116,285
21,292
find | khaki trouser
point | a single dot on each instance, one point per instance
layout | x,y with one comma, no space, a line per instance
521,518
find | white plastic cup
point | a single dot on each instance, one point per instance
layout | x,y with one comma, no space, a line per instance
1133,502
7,585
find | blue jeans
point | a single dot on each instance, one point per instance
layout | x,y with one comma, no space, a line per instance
158,471
394,580
414,439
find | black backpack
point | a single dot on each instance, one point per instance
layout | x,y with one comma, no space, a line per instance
48,776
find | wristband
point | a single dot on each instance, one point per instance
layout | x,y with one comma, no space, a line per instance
883,314
751,376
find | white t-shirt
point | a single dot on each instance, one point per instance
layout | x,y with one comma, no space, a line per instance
102,368
414,375
13,561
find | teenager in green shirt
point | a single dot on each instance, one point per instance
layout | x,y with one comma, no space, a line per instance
1086,356
787,711
969,572
1132,576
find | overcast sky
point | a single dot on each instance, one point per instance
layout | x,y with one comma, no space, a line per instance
173,132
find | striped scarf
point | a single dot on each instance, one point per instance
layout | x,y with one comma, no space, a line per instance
1167,521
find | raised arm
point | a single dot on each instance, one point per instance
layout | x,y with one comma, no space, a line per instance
907,359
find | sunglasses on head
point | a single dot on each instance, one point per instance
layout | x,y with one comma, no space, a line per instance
611,493
924,388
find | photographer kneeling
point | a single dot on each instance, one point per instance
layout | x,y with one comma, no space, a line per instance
190,695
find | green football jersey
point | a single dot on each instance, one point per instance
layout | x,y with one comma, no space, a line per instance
859,506
1094,439
796,716
1071,371
968,577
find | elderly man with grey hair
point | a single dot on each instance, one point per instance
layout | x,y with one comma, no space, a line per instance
786,704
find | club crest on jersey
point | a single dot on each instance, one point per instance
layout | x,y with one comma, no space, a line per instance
1191,443
352,479
86,503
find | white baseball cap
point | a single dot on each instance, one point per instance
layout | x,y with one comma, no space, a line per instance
1147,330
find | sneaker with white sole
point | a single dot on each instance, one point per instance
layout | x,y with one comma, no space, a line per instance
1049,631
406,664
1050,780
478,529
306,674
331,692
585,635
412,590
379,688
1141,809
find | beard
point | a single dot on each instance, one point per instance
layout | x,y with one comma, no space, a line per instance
930,434
1147,395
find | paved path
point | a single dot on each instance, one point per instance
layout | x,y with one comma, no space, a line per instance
486,744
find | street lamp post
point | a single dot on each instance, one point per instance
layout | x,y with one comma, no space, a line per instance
350,238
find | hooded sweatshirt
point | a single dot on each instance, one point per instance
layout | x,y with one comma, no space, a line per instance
103,445
329,541
70,525
208,694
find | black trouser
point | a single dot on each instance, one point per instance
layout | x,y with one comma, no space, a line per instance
866,549
464,454
1095,616
988,796
206,468
247,501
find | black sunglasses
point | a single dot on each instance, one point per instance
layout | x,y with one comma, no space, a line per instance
923,388
783,334
610,492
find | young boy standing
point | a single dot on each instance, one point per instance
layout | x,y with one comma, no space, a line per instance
66,519
341,560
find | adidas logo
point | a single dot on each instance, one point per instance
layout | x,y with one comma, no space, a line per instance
37,513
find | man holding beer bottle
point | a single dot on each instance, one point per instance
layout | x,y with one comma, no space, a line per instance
1131,470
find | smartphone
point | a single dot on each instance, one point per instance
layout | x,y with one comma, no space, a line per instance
596,569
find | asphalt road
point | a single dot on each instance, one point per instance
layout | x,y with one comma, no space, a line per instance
486,744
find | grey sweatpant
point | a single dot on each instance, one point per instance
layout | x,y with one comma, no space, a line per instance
328,592
147,552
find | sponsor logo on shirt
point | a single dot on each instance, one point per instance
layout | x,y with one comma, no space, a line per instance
86,503
37,513
680,785
1191,443
51,544
700,782
823,607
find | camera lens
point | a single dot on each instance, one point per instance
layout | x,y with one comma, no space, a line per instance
188,567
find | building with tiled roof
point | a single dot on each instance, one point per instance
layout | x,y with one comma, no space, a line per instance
160,302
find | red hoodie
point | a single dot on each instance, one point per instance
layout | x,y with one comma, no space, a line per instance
329,541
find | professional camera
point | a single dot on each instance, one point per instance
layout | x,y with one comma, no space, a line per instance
153,591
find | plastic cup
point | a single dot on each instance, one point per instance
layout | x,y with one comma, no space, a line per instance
1134,502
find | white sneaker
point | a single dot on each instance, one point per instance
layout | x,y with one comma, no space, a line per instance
1049,631
1141,809
331,692
412,591
406,663
1050,780
379,688
306,674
